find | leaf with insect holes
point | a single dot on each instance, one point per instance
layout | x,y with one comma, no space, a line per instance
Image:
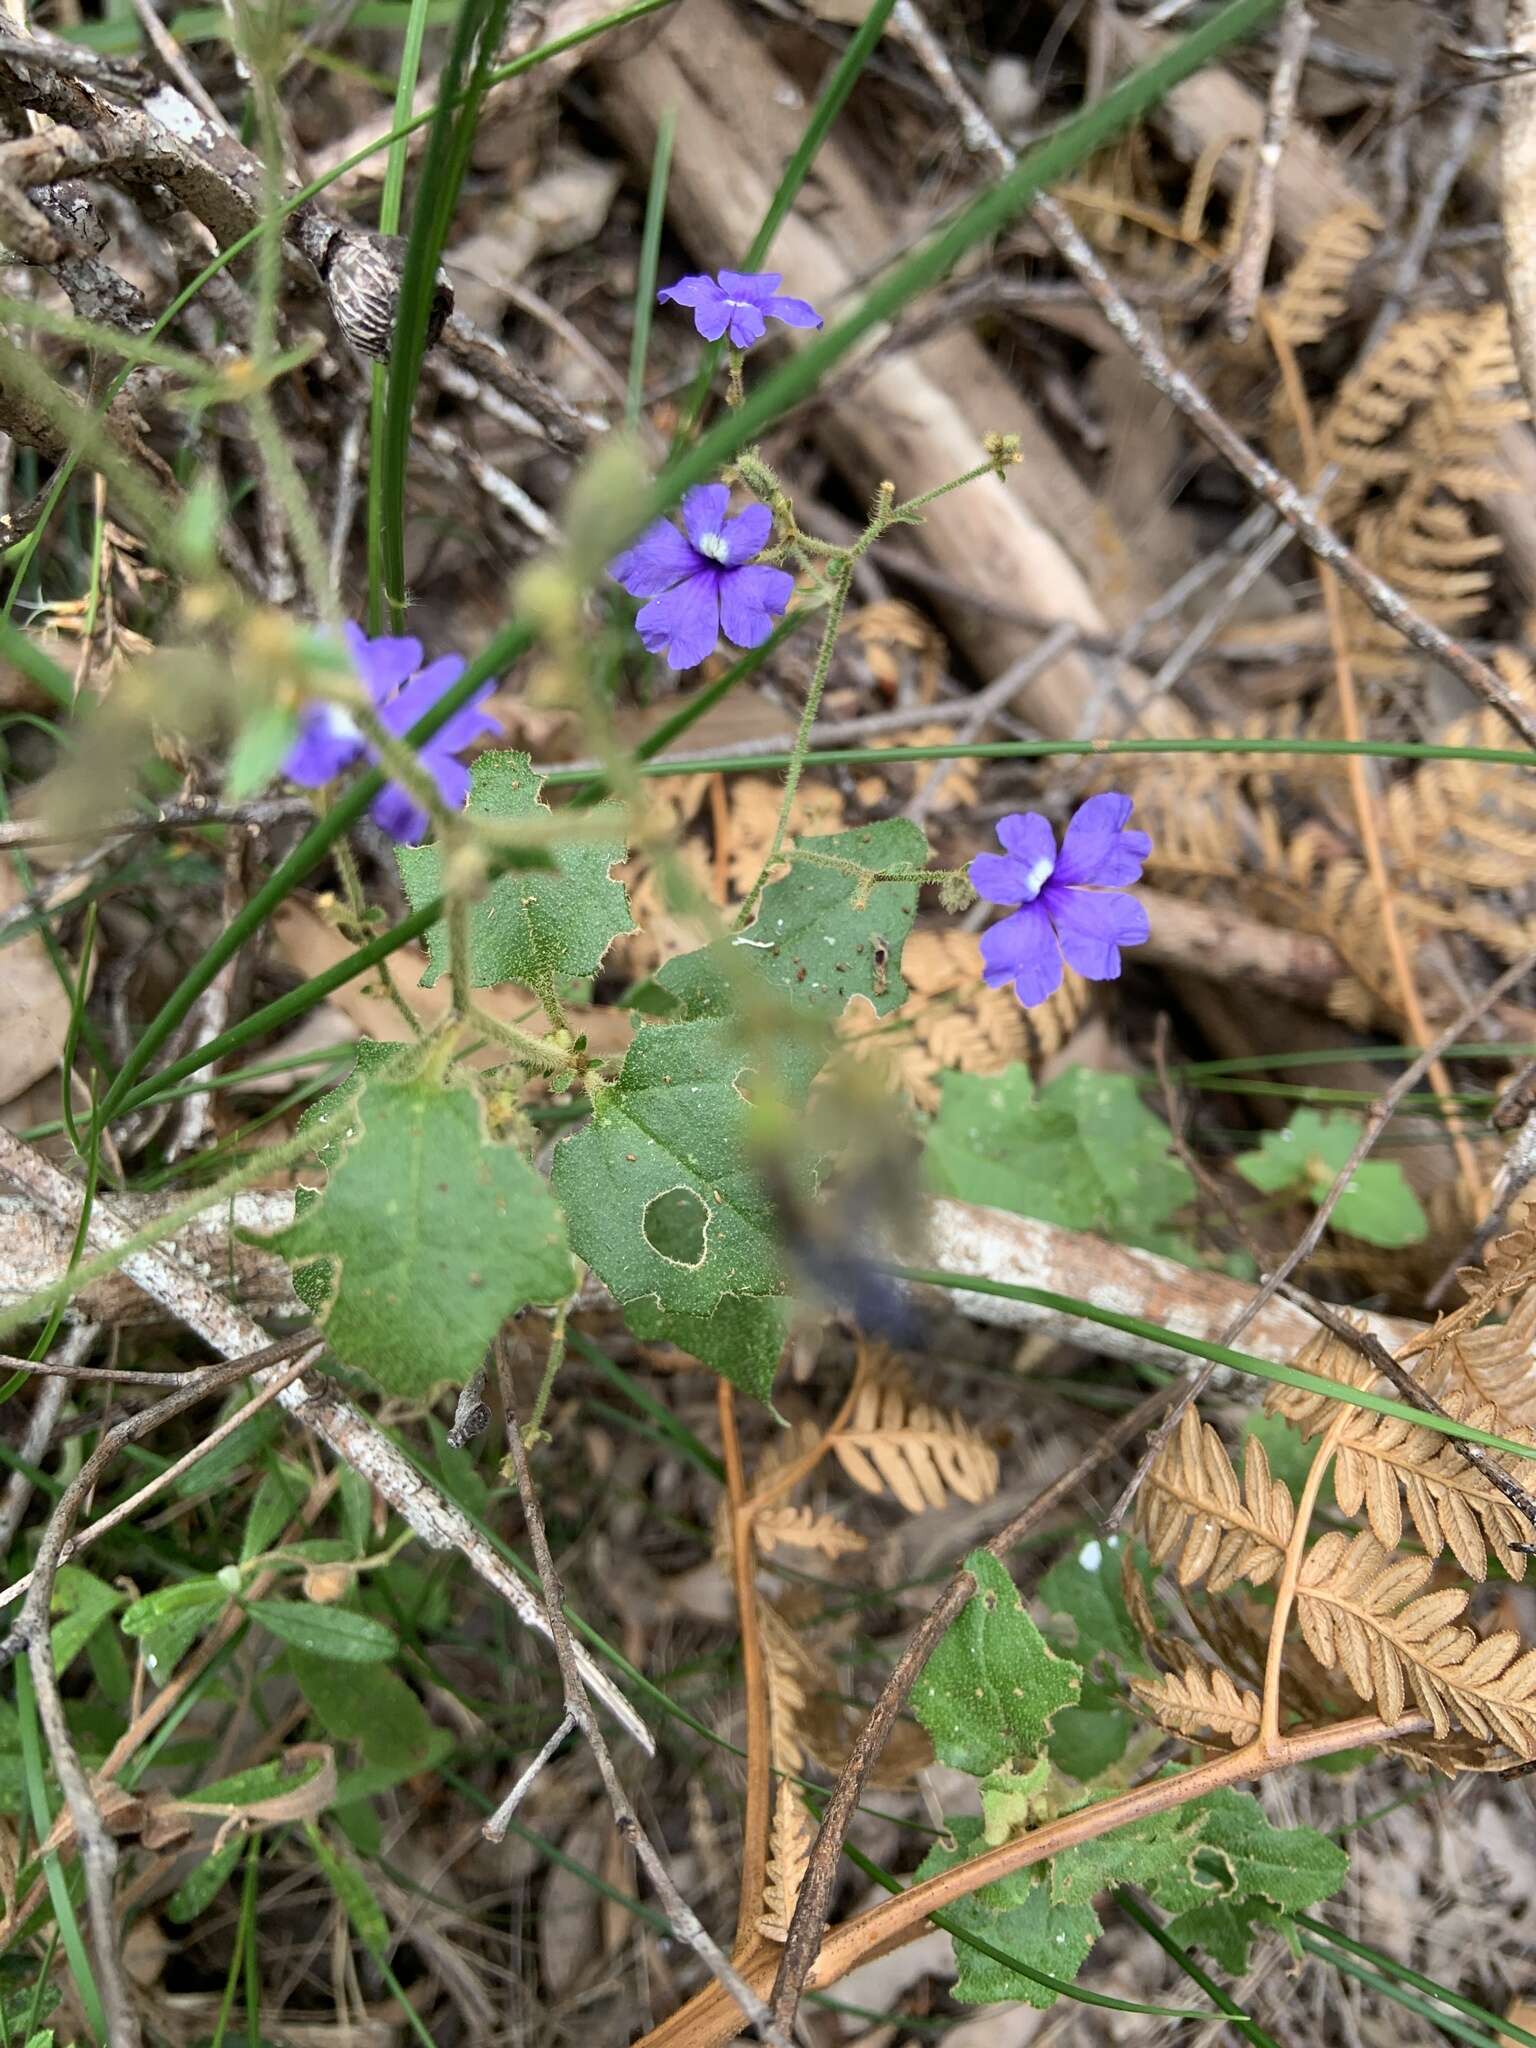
539,926
661,1195
991,1689
1017,1914
1083,1151
330,1123
432,1236
1377,1206
741,1338
821,936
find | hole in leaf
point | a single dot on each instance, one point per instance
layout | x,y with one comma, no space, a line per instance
674,1225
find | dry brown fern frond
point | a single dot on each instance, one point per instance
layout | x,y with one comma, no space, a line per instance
1198,1700
953,1020
1494,1366
789,1848
1314,295
1381,1460
892,1442
802,1528
1365,1612
1508,1271
796,1675
1192,1509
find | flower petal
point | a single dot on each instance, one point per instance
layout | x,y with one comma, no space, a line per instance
750,600
793,312
659,558
395,811
704,509
712,317
1023,949
746,326
1028,837
1093,926
755,286
382,665
420,694
685,621
696,290
328,741
450,775
1096,847
1018,875
747,534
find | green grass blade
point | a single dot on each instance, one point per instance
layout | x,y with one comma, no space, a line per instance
1317,1931
1220,1354
465,82
1132,1907
650,257
34,1778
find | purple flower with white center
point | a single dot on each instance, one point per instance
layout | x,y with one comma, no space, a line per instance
736,304
703,582
1064,903
390,670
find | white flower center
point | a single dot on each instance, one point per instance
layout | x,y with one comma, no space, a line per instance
714,545
742,305
1036,876
340,724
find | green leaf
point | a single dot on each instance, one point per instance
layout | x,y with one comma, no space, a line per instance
1011,1800
356,1497
275,1502
536,926
1155,1852
820,937
1224,1929
202,1885
989,1691
85,1602
334,1632
384,1715
372,1779
1243,1854
1089,1739
1378,1206
1085,1588
352,1893
170,1603
658,1189
1017,1914
742,1338
1084,1152
432,1235
261,1781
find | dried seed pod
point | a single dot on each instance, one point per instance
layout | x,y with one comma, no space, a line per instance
361,272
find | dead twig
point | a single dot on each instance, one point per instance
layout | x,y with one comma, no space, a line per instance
686,1924
1258,228
1256,470
54,1392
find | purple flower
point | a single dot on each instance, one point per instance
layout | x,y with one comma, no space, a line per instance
735,305
402,691
704,582
1065,905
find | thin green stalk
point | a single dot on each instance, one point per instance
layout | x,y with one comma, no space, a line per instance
533,1428
391,201
1395,1994
1130,1905
1392,1968
841,585
245,1932
650,256
1044,750
1221,1354
466,79
34,1779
